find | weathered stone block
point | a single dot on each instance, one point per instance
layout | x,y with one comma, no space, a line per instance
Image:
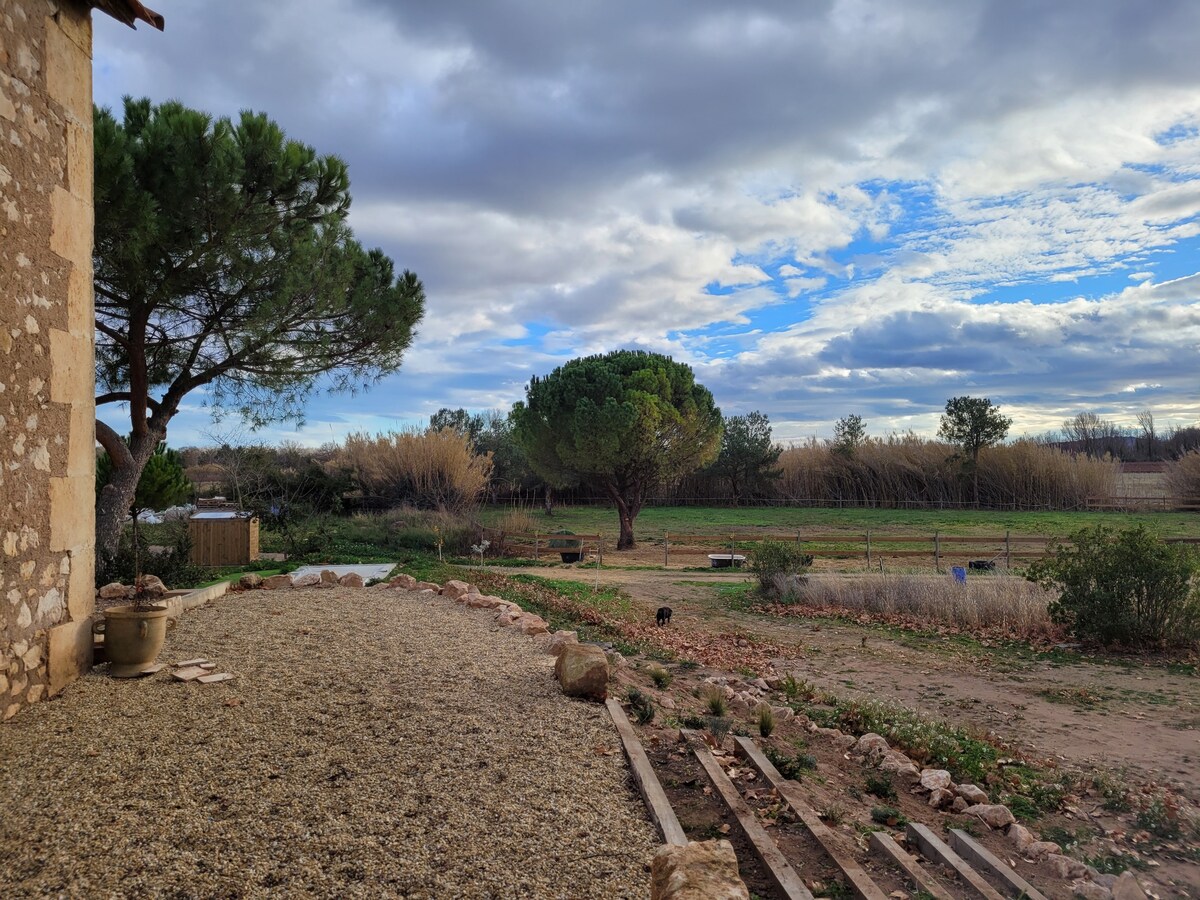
71,370
81,579
72,512
453,589
80,167
68,70
81,299
71,224
582,670
70,652
702,870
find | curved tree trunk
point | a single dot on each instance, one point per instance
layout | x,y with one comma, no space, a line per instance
628,505
114,502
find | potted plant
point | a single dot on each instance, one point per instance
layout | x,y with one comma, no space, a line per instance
574,551
134,633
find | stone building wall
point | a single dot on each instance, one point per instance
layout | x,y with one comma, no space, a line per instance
47,409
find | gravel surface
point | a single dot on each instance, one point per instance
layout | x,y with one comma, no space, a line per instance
371,745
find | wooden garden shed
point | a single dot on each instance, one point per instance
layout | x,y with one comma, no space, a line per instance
223,537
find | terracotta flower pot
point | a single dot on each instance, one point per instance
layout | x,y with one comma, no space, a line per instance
133,637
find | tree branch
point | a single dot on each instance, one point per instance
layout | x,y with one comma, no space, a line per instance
123,397
114,445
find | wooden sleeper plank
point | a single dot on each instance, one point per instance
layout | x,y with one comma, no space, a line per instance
652,793
934,848
781,872
983,859
859,880
891,852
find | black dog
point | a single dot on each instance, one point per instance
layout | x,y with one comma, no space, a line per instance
664,615
985,565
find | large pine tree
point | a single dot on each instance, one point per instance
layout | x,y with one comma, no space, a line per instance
223,261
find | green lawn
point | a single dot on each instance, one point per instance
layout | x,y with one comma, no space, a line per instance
653,521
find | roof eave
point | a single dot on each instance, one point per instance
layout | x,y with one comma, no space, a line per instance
129,12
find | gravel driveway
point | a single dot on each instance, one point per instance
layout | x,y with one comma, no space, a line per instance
372,744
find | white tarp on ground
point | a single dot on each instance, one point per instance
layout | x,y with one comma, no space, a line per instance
366,570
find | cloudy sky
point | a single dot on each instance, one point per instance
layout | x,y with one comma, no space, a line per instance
824,207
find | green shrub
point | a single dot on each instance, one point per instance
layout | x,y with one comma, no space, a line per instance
881,786
172,564
641,706
718,728
714,699
660,677
887,815
1123,588
776,564
766,720
790,766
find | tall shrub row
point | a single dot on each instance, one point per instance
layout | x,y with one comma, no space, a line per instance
423,468
905,469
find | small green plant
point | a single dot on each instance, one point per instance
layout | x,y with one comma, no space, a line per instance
1115,863
776,565
834,813
718,729
692,721
641,706
660,676
881,786
791,766
889,816
795,689
834,889
1116,795
714,700
1160,817
766,720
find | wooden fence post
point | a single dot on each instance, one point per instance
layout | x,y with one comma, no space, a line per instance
1007,550
666,549
868,548
535,546
937,551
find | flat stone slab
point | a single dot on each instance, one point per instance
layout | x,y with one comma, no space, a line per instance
366,570
215,679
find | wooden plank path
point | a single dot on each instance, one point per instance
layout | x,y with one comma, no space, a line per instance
984,860
859,880
778,868
888,850
932,847
652,793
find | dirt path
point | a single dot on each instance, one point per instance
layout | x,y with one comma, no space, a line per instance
1110,713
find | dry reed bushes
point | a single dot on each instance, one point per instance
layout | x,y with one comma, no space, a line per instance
907,469
427,469
986,603
1183,478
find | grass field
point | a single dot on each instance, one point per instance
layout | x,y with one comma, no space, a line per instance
653,521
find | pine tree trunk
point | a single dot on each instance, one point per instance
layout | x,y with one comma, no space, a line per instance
117,497
627,511
548,500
